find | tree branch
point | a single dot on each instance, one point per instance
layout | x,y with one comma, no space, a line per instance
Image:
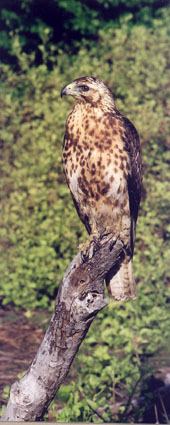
80,298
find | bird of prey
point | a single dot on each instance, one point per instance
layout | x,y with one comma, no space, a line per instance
102,164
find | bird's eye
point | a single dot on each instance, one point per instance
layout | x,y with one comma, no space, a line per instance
84,88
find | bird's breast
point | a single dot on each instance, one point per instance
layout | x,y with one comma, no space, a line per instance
94,174
95,161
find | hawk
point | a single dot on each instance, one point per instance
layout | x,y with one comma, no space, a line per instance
102,164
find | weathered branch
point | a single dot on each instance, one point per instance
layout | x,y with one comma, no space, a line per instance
80,298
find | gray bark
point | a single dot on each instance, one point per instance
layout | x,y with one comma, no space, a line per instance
80,298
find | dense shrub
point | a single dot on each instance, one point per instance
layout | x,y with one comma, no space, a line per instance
39,226
67,22
40,229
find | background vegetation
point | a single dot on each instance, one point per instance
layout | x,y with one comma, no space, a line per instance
67,22
125,43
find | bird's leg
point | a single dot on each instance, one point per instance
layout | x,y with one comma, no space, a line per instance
106,231
87,248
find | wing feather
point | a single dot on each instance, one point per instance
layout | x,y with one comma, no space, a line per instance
132,145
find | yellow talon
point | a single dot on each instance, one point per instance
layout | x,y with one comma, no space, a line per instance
85,247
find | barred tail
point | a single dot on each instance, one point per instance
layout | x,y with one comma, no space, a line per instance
122,286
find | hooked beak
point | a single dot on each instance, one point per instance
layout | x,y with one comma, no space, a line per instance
63,91
67,90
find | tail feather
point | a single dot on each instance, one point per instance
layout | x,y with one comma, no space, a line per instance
122,286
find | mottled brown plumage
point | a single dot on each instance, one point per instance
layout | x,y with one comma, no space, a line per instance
102,163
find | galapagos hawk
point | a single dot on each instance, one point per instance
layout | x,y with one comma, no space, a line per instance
102,164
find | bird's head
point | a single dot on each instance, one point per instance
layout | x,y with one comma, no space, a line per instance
90,90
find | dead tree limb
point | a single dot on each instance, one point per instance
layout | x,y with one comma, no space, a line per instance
80,298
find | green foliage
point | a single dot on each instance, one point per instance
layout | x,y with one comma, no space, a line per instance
4,398
67,22
39,226
39,229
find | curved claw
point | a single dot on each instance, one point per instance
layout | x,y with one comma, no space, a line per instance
112,243
96,241
104,232
84,257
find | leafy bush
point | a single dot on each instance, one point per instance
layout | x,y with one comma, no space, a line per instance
39,226
36,206
39,229
66,22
